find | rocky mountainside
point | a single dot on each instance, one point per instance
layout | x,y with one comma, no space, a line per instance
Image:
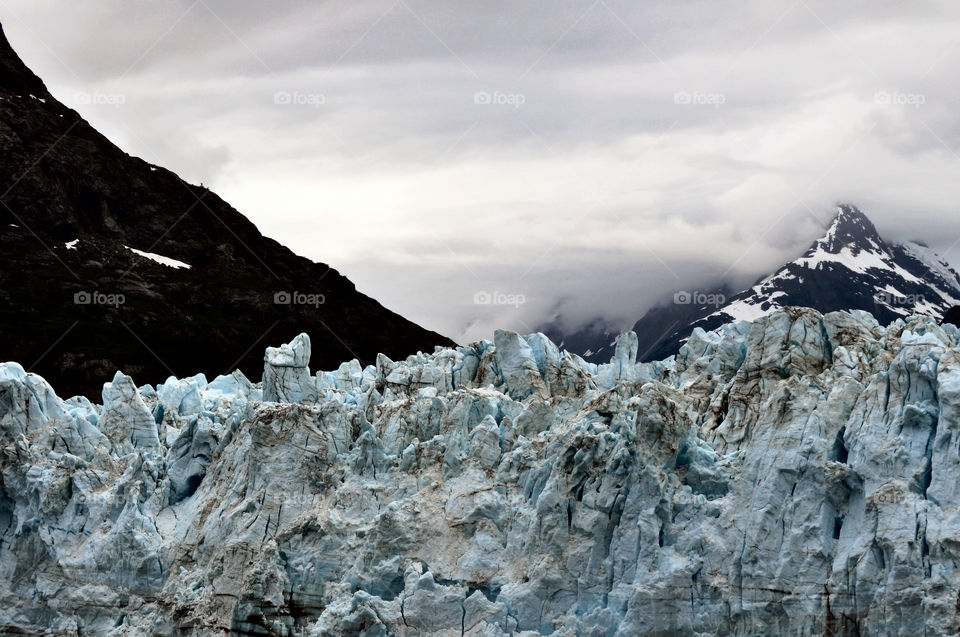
850,268
796,475
597,340
108,262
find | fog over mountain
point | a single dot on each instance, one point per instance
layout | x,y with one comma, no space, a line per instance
555,156
850,267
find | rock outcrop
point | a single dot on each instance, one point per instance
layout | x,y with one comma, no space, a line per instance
798,475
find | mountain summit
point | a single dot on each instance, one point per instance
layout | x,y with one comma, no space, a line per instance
851,267
850,229
108,262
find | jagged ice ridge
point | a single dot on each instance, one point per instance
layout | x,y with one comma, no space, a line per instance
795,475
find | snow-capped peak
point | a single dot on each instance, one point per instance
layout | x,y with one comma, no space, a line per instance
852,241
852,267
849,267
850,229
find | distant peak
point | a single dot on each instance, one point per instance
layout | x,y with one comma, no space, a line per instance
850,228
848,214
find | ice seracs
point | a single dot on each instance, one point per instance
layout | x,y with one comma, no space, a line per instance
286,375
125,419
794,475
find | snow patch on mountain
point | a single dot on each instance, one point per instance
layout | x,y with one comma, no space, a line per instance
946,279
859,261
745,310
159,258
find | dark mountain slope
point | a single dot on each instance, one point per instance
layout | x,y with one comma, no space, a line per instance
61,180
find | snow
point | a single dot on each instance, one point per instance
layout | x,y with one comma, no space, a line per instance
933,261
159,258
834,226
924,306
745,311
861,262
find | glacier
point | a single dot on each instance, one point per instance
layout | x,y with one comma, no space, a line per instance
796,475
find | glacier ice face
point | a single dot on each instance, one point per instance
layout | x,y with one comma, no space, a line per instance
125,419
286,372
797,475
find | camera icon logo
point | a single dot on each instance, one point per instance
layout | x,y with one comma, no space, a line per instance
682,298
482,97
482,298
83,298
282,98
282,298
682,97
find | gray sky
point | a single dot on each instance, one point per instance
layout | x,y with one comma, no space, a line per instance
583,157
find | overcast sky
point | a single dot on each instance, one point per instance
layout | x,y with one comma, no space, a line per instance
587,157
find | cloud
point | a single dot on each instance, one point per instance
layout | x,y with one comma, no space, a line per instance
591,157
